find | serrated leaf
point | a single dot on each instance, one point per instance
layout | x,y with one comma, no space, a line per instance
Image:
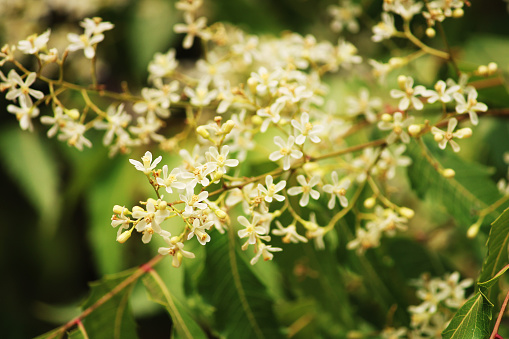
471,321
185,325
497,249
32,166
243,306
464,195
113,319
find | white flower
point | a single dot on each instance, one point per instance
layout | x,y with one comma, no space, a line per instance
306,189
163,64
220,160
384,29
390,159
74,132
408,95
337,189
306,129
398,127
285,151
95,26
147,166
154,102
117,120
365,239
24,114
271,190
34,43
194,201
201,96
288,233
58,120
447,137
363,105
198,229
271,113
346,54
470,106
252,230
171,180
175,248
441,92
85,42
193,28
146,128
263,81
345,16
149,221
265,252
21,89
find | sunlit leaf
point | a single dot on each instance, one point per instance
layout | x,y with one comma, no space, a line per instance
471,321
185,325
497,249
243,306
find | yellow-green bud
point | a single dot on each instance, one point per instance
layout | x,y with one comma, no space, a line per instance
153,201
220,213
448,173
228,126
217,176
177,261
407,212
464,133
438,137
256,120
395,62
251,83
402,82
370,202
122,238
386,117
430,32
162,205
117,209
201,130
458,13
414,130
138,209
492,68
482,70
473,230
73,113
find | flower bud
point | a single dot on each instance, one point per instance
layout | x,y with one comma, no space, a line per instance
414,130
395,62
473,230
220,213
177,260
251,83
256,120
492,68
217,176
448,173
464,133
386,117
402,82
430,32
370,202
438,137
162,205
153,201
407,212
138,209
228,126
201,130
117,209
458,13
482,70
72,113
122,238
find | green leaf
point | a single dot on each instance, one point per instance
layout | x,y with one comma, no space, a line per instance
243,306
497,250
471,321
113,319
464,195
33,168
185,325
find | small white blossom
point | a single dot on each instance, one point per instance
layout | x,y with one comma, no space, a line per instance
265,251
194,201
192,28
408,95
306,129
21,89
170,180
306,189
220,160
24,113
201,96
337,189
398,128
34,43
198,229
363,104
285,151
85,42
252,229
271,190
147,166
175,248
117,120
443,138
271,113
384,29
441,92
470,106
288,233
163,65
73,132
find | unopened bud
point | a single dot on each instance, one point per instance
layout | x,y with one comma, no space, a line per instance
395,62
151,200
177,260
162,205
386,117
492,68
464,133
117,209
138,209
201,130
73,113
402,82
414,130
407,212
482,70
228,126
220,213
473,230
438,137
217,176
458,13
252,83
256,120
122,238
370,202
430,32
448,173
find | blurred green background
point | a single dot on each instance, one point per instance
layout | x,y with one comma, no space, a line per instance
57,201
